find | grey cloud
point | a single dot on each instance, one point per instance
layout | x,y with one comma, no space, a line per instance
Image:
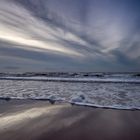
71,35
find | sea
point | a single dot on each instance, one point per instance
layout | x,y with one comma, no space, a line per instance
105,90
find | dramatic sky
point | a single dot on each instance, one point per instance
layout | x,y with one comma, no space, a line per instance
69,35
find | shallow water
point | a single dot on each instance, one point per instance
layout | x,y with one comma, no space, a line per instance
118,95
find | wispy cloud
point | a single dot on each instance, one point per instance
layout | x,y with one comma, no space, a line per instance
70,35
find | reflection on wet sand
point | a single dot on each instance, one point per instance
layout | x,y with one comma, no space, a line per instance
7,121
41,121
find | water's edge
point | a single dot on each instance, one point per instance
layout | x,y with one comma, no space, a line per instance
70,102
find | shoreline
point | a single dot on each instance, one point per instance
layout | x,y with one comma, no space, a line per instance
40,120
60,101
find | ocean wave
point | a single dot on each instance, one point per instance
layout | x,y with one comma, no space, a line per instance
58,79
117,93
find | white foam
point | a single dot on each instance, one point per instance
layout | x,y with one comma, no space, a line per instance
79,100
85,92
105,106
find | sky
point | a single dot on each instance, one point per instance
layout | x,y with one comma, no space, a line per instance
70,35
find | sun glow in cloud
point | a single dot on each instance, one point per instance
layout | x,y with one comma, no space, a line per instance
37,44
29,31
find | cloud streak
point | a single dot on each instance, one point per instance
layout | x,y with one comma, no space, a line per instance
78,35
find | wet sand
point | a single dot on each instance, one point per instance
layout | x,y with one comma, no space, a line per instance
39,120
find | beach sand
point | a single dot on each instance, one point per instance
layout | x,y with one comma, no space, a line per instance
40,120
